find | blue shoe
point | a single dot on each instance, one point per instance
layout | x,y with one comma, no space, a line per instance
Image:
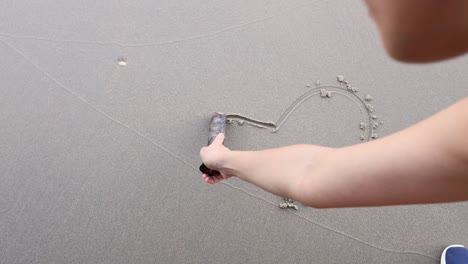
454,254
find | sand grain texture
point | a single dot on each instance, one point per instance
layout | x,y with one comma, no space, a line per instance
99,161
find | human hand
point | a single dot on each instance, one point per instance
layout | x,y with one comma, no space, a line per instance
214,157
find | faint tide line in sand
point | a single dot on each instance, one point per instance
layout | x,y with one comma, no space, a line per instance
135,45
329,228
94,107
196,169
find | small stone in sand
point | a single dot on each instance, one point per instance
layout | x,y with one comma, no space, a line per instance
373,116
308,85
362,137
370,107
121,61
375,124
340,78
240,122
288,203
323,93
362,126
375,136
317,83
354,90
369,98
381,122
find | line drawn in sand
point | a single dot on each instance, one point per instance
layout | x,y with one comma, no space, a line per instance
344,88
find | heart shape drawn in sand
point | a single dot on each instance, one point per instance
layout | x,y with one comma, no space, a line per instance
344,88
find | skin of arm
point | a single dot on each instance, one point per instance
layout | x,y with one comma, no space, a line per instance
425,163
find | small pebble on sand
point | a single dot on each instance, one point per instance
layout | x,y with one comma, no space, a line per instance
323,93
375,125
121,61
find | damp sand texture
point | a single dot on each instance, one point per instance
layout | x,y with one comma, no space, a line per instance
99,160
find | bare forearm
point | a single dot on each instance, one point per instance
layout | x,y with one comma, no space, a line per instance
396,170
426,163
422,164
279,171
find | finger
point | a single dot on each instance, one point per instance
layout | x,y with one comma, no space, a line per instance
218,178
209,179
219,139
212,179
205,177
202,150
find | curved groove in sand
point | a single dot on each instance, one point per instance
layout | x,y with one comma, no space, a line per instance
162,43
275,126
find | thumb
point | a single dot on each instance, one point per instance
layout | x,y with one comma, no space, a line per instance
219,139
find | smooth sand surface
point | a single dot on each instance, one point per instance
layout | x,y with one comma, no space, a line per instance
98,162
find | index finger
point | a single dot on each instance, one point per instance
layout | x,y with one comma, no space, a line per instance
219,139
